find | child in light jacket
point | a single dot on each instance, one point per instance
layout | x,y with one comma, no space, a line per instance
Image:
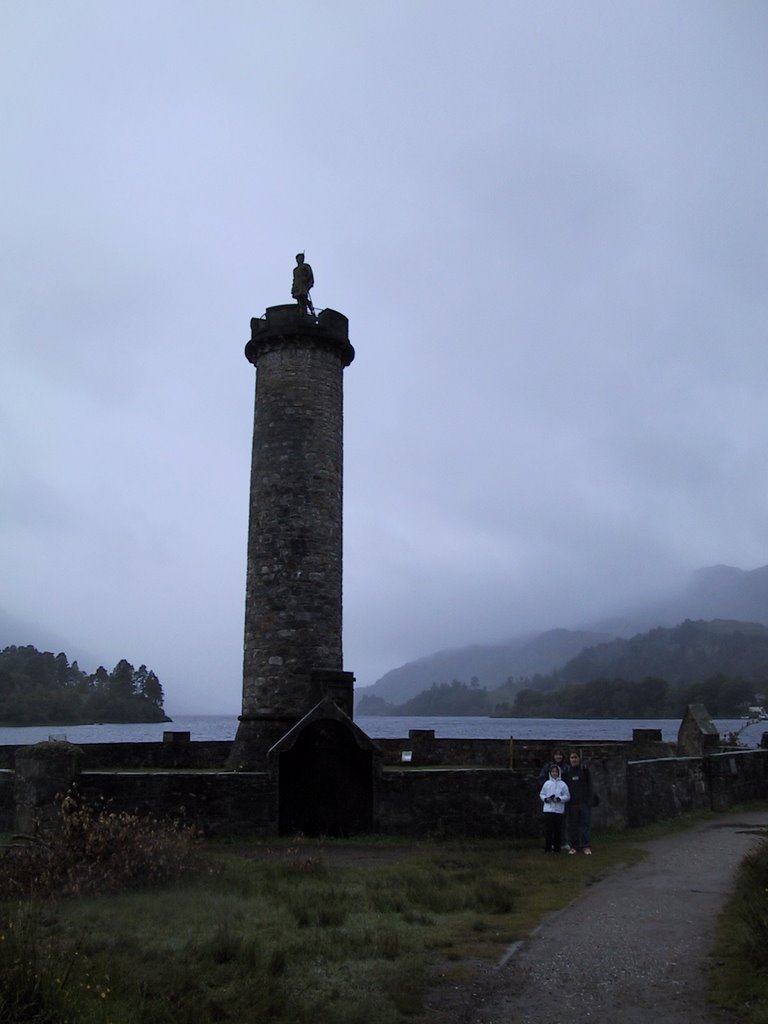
554,796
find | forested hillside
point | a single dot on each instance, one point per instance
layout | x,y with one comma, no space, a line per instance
721,664
491,664
40,688
646,698
688,652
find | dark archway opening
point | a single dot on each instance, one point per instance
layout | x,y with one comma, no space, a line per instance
325,783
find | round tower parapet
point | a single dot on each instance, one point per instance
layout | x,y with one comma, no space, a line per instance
286,325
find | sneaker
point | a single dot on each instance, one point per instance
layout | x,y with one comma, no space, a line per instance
572,851
588,850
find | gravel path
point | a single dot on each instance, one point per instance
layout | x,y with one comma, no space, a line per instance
635,947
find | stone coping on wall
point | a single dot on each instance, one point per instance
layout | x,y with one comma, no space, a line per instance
197,754
106,770
707,755
675,757
735,753
425,750
409,768
420,749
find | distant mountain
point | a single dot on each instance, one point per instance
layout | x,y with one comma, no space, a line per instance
716,592
491,665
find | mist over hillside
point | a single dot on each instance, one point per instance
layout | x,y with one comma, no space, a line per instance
715,592
491,664
16,632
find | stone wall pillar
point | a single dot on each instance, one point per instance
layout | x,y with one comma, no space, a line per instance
44,772
293,604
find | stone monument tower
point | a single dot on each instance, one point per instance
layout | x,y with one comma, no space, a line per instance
293,606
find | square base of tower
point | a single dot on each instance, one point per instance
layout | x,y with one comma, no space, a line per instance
257,734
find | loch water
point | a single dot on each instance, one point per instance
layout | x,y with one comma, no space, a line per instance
223,727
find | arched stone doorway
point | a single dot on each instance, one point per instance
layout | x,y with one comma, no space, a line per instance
325,771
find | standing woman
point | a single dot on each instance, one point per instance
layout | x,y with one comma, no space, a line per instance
579,783
558,758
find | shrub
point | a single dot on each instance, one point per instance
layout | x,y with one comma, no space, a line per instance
751,903
95,850
738,979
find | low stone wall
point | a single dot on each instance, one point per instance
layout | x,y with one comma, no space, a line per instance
204,755
532,755
490,789
737,776
422,749
176,753
44,773
486,802
659,789
425,750
608,768
665,788
455,802
218,803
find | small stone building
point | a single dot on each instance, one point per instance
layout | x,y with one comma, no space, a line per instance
698,735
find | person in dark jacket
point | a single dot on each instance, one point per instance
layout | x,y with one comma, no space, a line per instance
579,810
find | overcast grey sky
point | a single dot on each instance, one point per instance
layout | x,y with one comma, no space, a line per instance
547,223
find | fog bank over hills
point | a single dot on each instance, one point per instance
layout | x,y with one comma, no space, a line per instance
490,664
715,592
15,632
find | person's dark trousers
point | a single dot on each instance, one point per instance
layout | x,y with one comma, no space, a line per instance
579,825
553,832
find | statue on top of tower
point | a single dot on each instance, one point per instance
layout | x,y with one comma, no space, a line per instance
303,280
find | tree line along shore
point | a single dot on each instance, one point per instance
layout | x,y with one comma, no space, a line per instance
41,688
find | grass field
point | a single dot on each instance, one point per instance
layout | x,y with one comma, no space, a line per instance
119,920
287,932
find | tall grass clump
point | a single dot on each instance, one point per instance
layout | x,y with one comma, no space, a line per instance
739,978
94,850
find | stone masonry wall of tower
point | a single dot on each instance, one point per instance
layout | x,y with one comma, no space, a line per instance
293,586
